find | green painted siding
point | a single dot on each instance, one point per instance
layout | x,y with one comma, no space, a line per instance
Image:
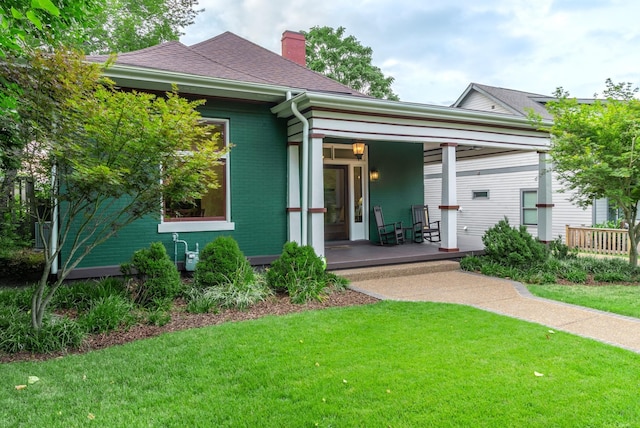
401,182
258,191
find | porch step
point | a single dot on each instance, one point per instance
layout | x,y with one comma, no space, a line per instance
394,271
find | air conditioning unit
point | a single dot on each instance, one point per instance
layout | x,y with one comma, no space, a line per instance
46,230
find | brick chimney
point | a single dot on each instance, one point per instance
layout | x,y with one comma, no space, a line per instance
293,47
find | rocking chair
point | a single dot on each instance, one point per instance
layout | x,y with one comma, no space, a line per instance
391,233
422,227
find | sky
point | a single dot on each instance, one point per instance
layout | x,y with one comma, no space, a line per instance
435,48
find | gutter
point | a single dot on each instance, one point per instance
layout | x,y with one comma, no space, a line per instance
305,173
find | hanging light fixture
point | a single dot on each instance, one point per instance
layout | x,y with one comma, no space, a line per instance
358,149
374,175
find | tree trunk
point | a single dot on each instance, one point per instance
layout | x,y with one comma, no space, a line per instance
634,235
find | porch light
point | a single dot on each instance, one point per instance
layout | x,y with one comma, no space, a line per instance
374,175
358,149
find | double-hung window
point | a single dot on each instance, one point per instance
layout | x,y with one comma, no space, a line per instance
211,211
529,211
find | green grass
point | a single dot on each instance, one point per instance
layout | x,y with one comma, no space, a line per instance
395,364
619,299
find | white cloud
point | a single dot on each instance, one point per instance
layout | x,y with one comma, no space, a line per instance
435,49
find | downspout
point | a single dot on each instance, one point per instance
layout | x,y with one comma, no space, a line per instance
53,244
305,172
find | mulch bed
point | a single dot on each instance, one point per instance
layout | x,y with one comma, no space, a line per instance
182,320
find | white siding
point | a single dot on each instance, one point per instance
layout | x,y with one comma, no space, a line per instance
476,101
504,187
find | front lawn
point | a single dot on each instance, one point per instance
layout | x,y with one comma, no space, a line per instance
396,364
619,299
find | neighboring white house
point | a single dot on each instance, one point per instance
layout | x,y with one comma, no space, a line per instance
494,184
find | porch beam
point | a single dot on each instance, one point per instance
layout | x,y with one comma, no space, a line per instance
449,202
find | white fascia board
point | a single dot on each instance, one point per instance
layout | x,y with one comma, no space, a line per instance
386,107
152,79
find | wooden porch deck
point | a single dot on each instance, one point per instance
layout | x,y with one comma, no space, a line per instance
356,254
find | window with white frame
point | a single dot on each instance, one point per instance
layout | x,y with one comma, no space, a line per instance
211,211
529,211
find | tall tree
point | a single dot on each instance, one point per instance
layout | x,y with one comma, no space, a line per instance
128,25
344,59
595,151
112,153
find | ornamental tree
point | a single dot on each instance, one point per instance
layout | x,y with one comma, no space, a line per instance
594,147
345,60
108,156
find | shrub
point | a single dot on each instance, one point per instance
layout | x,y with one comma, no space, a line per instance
575,275
536,276
300,272
509,246
561,251
228,295
82,294
154,275
22,264
222,262
107,314
471,263
57,334
612,276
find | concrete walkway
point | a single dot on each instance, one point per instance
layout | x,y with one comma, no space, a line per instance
445,282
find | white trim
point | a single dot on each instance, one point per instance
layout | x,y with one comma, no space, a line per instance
212,225
195,226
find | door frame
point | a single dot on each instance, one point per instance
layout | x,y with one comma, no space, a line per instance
357,230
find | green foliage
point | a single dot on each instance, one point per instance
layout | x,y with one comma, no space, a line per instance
575,276
561,251
128,25
336,281
594,150
300,272
81,295
24,263
57,333
154,276
471,263
345,60
227,295
509,246
222,262
107,314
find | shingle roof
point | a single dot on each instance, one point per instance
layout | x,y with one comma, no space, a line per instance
517,101
228,56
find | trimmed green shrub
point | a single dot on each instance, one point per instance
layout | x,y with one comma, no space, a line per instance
107,314
154,276
300,272
21,264
561,251
222,262
513,247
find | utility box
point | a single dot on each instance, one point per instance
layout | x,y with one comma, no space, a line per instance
191,259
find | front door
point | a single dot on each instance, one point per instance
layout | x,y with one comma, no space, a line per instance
336,202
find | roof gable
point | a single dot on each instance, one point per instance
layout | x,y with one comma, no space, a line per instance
516,102
231,57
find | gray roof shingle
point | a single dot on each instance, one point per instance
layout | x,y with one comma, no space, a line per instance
228,56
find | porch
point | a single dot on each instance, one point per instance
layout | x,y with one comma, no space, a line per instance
356,254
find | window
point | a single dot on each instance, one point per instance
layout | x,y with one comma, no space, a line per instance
480,194
528,202
210,212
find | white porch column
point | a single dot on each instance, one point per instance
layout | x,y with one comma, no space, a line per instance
294,210
545,198
316,195
449,207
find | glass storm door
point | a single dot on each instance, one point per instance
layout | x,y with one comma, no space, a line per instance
336,202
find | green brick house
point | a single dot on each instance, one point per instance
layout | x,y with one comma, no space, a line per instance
291,173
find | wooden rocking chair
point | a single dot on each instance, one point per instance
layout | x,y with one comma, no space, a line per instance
422,227
391,233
